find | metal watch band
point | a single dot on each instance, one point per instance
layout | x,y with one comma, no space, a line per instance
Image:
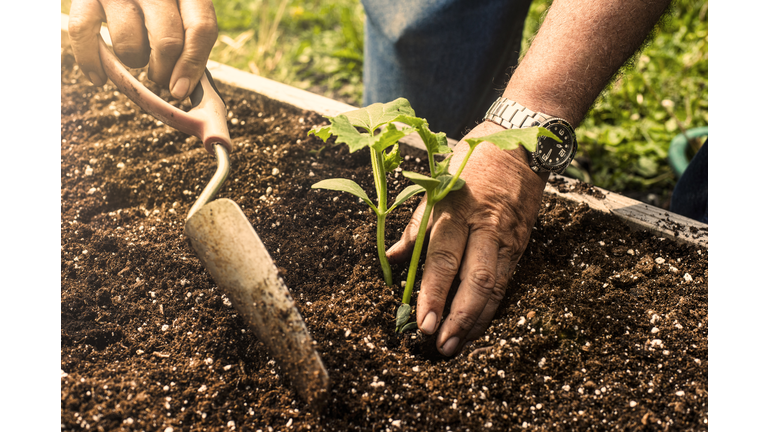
510,114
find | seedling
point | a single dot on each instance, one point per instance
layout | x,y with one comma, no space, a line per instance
441,182
372,127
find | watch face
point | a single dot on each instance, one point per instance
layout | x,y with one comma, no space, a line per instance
552,154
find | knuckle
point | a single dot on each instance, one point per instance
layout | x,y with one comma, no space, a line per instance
462,320
77,28
413,226
131,53
204,30
443,261
482,281
169,45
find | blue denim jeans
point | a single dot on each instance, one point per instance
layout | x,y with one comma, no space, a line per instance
450,58
690,195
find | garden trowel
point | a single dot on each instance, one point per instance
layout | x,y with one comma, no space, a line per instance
226,242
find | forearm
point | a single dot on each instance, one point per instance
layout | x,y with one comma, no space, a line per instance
579,47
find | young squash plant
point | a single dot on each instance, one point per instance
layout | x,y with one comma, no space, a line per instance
372,127
437,185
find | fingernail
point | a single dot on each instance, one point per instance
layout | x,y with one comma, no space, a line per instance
450,346
180,89
429,325
94,77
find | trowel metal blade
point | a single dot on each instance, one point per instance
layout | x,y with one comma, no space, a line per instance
233,253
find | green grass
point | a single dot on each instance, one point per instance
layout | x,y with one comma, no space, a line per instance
318,46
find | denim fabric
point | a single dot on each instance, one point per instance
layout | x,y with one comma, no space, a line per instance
690,195
450,58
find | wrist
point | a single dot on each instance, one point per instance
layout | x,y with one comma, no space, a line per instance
492,159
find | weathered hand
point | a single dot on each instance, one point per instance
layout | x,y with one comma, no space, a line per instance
477,233
175,38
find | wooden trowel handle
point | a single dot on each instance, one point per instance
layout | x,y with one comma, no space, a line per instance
206,120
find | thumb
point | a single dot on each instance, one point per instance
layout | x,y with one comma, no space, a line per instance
200,33
401,251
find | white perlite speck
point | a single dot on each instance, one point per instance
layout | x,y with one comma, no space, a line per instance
687,278
202,388
632,404
566,388
164,327
680,393
275,171
396,423
655,330
657,343
660,260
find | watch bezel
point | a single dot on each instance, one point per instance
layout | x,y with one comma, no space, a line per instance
560,167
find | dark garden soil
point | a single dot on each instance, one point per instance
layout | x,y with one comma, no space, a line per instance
602,328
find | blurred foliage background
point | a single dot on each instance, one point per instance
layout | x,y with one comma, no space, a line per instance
317,45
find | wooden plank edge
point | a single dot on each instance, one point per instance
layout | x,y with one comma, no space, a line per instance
635,213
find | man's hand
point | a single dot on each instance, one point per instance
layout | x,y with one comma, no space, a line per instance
175,38
477,233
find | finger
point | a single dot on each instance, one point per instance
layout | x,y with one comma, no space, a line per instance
401,251
444,255
505,268
166,40
85,21
478,285
125,21
200,33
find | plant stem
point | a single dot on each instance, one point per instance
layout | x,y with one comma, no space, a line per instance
455,177
380,181
417,251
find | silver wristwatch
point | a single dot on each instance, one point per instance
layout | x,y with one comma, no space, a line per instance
550,155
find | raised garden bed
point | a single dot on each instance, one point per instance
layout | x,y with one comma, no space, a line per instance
603,327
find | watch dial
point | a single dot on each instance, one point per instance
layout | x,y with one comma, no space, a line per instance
551,153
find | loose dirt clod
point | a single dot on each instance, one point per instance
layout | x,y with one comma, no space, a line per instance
594,309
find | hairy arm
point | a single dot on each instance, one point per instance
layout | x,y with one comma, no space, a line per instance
579,47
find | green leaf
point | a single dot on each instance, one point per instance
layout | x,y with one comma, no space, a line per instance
445,180
375,115
436,143
322,132
405,194
402,316
427,182
347,134
392,160
510,139
410,326
344,185
389,137
441,168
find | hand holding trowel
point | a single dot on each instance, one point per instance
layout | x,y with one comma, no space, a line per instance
226,242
